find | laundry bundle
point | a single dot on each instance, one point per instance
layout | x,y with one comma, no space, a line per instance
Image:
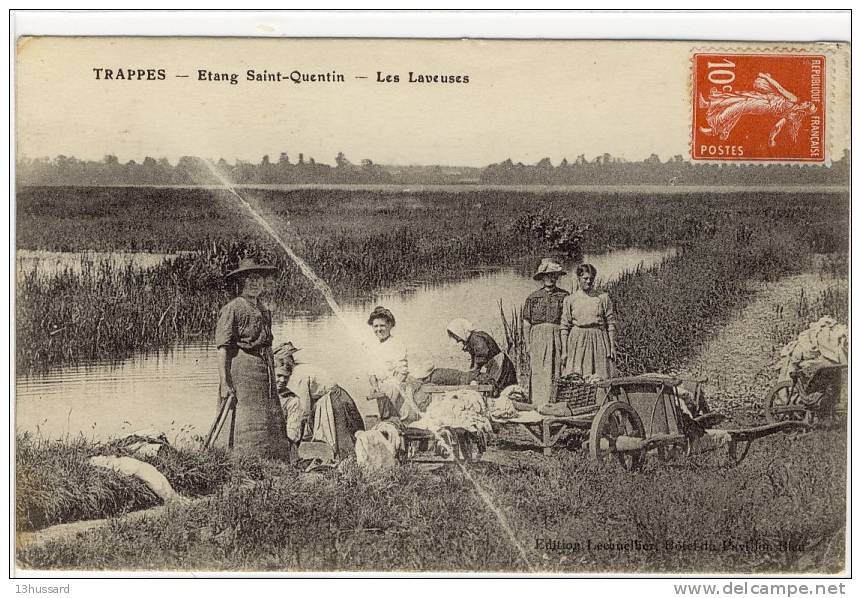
823,343
460,409
145,472
510,402
377,449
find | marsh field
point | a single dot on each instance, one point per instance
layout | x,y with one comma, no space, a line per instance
783,509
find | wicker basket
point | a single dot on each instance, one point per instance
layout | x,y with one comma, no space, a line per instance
575,391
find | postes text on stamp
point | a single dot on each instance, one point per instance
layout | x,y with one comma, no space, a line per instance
764,107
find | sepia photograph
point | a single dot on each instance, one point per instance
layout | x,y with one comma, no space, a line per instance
430,306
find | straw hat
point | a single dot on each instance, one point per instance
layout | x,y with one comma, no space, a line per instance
251,265
548,266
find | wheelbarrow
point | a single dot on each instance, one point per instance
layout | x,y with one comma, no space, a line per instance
641,414
820,395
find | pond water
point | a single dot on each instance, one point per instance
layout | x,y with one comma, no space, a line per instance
175,391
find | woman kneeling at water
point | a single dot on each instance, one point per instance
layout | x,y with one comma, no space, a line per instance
315,407
485,355
246,370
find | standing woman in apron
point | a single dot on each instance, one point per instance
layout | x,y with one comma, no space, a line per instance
588,329
246,370
542,314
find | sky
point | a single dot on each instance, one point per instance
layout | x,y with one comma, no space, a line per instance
525,100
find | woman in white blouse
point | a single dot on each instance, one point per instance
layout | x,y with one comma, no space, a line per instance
388,355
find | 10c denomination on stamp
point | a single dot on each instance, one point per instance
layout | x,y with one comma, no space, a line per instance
762,107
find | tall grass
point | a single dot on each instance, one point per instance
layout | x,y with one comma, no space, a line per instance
788,493
832,302
370,240
55,482
515,341
667,312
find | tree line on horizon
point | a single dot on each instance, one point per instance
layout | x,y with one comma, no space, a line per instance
601,170
606,169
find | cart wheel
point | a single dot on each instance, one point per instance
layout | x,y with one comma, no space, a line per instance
783,403
613,420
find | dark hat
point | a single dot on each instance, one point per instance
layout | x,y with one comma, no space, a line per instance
251,265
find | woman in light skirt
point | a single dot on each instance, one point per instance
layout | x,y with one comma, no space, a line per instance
588,329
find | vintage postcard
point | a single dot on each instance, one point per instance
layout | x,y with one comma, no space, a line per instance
431,306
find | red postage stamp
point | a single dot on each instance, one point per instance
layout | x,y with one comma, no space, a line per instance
762,107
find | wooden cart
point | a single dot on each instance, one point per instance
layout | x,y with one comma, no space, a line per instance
644,413
820,396
422,446
546,431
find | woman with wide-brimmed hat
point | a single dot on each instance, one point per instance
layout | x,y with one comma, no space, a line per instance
246,370
541,315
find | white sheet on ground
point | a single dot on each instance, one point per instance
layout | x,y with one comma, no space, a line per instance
145,472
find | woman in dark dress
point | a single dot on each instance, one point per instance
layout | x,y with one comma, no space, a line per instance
485,355
246,370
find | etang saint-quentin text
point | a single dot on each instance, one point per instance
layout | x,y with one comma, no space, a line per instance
266,76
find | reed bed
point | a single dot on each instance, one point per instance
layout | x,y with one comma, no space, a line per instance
171,219
372,239
667,312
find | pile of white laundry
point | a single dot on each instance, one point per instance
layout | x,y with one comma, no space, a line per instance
825,342
458,409
504,407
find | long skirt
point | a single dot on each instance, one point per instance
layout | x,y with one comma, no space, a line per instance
588,353
501,370
259,427
336,421
545,362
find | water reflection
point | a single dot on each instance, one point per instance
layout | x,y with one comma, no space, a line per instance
176,391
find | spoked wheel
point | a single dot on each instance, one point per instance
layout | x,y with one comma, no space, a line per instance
783,403
615,420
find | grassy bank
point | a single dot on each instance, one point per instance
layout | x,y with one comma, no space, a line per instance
782,510
668,311
55,483
370,240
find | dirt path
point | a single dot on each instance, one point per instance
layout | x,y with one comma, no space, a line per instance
738,360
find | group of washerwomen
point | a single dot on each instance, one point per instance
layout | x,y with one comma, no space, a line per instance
280,401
